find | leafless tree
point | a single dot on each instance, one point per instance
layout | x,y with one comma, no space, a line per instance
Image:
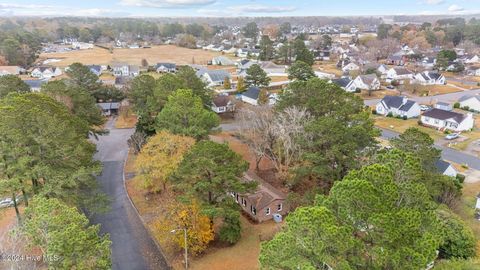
381,49
14,243
136,141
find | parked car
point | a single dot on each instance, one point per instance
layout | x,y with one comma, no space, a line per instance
391,87
452,136
8,202
424,107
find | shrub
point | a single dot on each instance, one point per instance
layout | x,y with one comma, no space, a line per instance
446,132
404,117
358,90
390,114
460,178
230,232
374,111
466,108
458,239
456,105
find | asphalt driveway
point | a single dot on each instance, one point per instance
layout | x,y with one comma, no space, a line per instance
132,246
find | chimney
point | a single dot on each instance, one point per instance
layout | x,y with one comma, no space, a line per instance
404,100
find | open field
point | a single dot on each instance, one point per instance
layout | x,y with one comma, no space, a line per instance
163,53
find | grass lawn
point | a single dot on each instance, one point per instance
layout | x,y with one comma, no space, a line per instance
155,54
459,84
442,89
126,119
375,94
466,209
328,67
279,78
400,125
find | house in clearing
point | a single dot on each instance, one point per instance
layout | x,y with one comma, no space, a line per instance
222,61
215,77
273,69
367,82
109,108
222,104
346,84
262,204
125,70
430,78
166,67
398,106
350,67
45,72
446,120
471,102
399,74
252,95
11,70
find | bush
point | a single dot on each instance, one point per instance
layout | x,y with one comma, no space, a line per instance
458,239
231,229
446,132
358,90
390,114
460,178
404,117
466,108
374,111
456,105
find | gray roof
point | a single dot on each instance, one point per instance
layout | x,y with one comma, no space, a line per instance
95,68
398,103
218,75
467,97
442,165
166,65
109,105
444,115
252,92
35,83
342,82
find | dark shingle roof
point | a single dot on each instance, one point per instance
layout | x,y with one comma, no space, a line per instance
221,101
342,82
467,97
442,165
397,102
35,83
166,65
444,115
218,75
252,92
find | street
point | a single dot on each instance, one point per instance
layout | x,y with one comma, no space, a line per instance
132,246
449,98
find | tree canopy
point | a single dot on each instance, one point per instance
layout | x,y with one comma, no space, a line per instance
12,84
256,76
300,71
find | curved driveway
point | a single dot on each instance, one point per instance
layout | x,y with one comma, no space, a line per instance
132,246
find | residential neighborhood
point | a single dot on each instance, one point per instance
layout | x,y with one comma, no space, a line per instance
250,136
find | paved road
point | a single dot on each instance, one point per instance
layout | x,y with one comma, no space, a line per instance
447,153
132,247
450,98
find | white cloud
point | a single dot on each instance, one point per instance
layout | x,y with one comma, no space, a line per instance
166,3
434,2
254,8
7,9
455,8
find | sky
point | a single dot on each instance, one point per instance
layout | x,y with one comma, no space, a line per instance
230,8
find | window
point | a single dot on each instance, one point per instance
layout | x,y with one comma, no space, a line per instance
426,119
436,122
279,207
267,211
253,210
244,202
236,197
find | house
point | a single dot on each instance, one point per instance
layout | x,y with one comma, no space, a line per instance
222,61
45,72
82,46
166,67
398,106
262,204
273,69
109,108
428,62
350,67
35,85
324,75
122,82
95,69
345,83
445,168
222,104
473,71
430,78
447,120
367,82
215,77
246,52
252,94
397,60
11,70
470,102
472,59
382,69
125,70
399,74
443,106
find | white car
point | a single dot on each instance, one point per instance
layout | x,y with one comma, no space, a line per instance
452,136
424,107
8,202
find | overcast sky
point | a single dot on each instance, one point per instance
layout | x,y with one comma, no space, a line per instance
226,8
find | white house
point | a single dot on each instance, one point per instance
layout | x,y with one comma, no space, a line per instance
367,82
273,69
445,168
95,69
215,77
46,72
472,102
430,78
125,70
399,74
442,119
443,106
222,61
350,67
245,52
222,104
383,69
166,67
345,83
11,70
472,59
82,45
324,75
398,106
252,94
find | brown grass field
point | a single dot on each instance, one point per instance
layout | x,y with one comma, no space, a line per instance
163,53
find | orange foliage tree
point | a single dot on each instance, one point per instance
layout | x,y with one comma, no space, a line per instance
160,157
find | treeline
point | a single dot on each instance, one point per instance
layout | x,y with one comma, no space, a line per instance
19,46
47,161
444,32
